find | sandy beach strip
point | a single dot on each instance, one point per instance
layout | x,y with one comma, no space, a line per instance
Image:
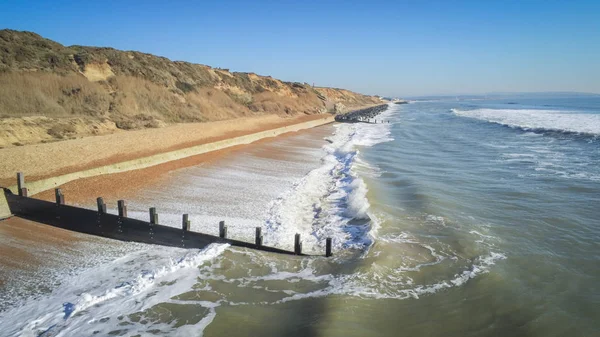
125,185
41,161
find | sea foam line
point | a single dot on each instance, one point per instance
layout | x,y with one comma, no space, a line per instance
395,285
538,120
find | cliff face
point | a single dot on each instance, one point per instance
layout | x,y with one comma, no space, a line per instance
49,91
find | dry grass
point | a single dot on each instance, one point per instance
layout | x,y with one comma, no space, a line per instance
52,95
270,102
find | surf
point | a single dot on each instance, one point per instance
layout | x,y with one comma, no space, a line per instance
331,200
539,121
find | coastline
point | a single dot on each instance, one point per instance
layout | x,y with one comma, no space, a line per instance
123,185
19,234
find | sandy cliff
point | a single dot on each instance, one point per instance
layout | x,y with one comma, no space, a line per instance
50,92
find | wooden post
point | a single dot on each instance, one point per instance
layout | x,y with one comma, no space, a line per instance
297,245
60,198
328,247
153,216
185,224
185,228
258,240
153,221
101,210
20,183
122,206
23,192
101,205
222,230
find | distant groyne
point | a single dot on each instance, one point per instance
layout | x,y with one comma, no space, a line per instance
364,115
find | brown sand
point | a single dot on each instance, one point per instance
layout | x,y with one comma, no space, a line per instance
41,161
112,187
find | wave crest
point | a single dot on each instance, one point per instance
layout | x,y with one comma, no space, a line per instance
538,120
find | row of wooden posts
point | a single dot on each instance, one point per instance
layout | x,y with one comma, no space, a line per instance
185,226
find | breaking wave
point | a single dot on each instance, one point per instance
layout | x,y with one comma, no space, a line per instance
331,200
567,122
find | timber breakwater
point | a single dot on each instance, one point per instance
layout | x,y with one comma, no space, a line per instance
364,115
120,227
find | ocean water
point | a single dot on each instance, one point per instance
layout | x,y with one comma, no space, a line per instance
456,218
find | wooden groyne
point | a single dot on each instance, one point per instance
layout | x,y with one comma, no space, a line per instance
362,116
120,227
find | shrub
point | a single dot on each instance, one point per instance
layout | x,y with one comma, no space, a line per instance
61,131
185,87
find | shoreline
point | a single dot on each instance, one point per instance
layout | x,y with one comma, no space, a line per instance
125,185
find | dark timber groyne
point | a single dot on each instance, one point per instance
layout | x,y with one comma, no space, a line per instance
364,115
119,227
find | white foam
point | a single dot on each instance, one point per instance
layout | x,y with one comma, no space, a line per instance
358,204
328,198
95,299
550,120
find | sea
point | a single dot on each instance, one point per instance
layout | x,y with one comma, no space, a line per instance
449,217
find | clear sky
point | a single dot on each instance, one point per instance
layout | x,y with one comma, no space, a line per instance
396,48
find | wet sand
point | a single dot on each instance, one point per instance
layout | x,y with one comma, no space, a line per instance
24,241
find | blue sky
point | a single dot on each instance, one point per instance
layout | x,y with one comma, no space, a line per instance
399,48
